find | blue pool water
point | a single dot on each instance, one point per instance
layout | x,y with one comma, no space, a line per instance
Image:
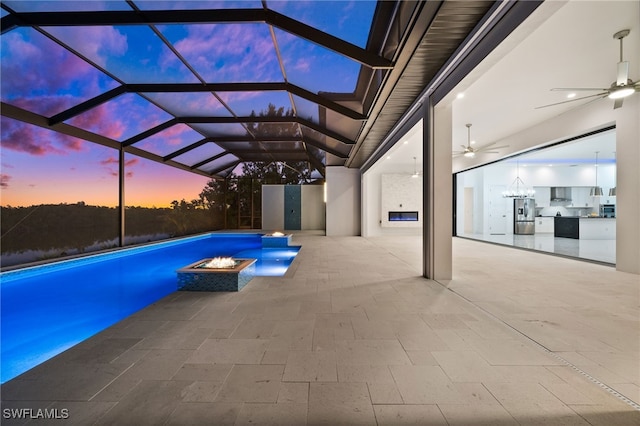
48,309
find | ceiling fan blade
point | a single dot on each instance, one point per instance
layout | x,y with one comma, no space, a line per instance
485,146
603,94
575,89
618,103
489,152
496,147
464,146
623,73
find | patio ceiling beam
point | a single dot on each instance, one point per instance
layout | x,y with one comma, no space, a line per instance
266,119
208,87
186,149
223,168
152,131
87,105
210,159
149,17
248,87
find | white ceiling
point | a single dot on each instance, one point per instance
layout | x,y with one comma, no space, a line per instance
562,44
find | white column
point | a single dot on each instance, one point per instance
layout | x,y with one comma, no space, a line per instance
343,201
628,186
438,194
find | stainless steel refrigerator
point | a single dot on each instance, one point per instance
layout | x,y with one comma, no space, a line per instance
524,212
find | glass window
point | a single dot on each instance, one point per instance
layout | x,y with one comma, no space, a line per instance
65,5
199,154
133,53
59,194
163,202
348,20
40,76
197,4
316,68
220,164
227,52
194,104
245,103
307,109
121,118
169,140
220,129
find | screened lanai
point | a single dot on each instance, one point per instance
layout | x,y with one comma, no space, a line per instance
149,113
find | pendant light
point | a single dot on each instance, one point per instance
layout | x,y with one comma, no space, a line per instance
518,189
596,191
612,191
415,168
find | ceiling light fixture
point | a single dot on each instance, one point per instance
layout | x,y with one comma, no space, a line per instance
596,191
518,189
571,95
621,92
460,95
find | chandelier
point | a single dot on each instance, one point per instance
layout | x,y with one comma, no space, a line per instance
518,189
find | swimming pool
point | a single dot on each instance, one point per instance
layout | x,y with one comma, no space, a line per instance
49,308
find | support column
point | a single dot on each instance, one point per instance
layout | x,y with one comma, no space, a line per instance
121,201
438,192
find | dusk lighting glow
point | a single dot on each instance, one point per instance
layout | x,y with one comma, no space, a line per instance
42,76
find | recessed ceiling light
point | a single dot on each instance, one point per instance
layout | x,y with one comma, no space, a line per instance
460,95
571,95
472,142
388,157
405,142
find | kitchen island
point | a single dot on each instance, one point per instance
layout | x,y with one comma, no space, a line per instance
584,228
597,228
566,227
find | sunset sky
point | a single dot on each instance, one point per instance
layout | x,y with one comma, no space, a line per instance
41,166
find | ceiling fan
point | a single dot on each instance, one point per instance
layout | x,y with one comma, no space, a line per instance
469,151
619,89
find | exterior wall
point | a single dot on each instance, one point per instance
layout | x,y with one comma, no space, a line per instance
273,207
313,210
312,207
343,201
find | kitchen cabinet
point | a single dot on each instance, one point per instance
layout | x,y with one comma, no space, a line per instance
542,196
544,225
581,196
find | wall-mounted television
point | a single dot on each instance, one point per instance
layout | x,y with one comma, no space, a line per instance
403,216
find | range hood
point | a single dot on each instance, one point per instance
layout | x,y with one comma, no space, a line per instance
560,193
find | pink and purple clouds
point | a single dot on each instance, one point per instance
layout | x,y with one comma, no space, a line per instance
40,76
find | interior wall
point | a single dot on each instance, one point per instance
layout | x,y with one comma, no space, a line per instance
594,116
343,201
400,193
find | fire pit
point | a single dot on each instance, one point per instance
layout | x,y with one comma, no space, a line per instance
217,274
